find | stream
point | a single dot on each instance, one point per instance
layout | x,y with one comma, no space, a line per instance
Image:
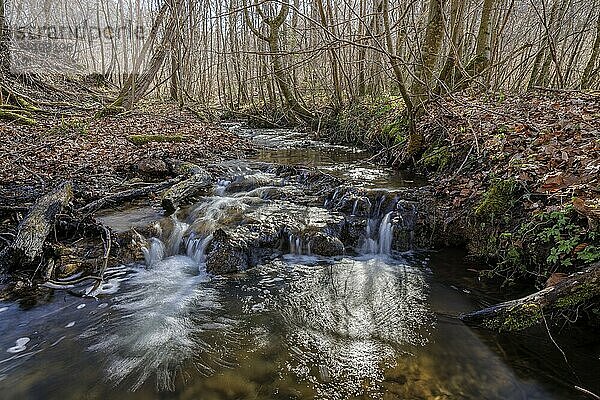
377,322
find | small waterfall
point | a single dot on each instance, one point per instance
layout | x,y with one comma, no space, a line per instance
176,237
370,246
330,201
355,207
196,248
379,235
386,234
154,252
221,187
296,245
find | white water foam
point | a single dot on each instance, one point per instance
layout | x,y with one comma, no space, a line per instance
19,345
163,313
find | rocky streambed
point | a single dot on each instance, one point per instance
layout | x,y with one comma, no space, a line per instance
301,273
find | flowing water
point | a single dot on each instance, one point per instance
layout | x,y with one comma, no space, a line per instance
374,324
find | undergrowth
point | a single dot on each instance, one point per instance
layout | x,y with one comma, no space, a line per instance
556,241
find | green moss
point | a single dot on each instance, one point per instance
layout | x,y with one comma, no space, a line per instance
140,140
21,116
581,294
497,199
522,317
517,318
186,168
372,122
113,109
396,131
437,157
68,126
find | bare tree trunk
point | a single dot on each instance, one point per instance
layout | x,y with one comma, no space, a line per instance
586,79
481,60
334,65
135,88
175,50
451,72
424,70
279,71
415,139
4,43
547,53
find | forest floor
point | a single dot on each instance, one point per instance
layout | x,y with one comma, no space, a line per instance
516,177
106,154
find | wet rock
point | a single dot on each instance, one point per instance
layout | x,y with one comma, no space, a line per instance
290,193
130,245
247,183
322,244
178,167
354,232
264,231
225,257
186,191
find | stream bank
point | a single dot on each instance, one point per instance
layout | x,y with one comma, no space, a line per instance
307,319
514,179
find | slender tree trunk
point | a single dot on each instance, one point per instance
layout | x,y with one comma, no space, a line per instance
415,138
424,70
586,79
333,59
4,43
451,73
547,52
481,61
279,71
175,50
130,92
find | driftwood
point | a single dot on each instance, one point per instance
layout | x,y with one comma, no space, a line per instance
127,195
185,191
568,294
27,248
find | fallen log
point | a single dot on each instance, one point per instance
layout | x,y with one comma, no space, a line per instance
515,315
186,190
27,248
127,195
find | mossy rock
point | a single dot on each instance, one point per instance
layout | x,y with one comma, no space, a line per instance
498,199
140,140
